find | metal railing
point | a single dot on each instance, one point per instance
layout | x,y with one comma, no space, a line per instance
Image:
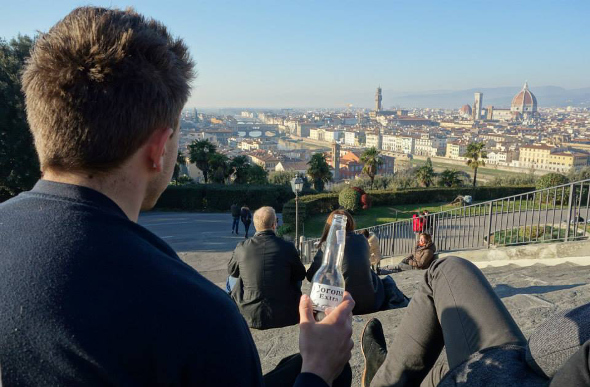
559,213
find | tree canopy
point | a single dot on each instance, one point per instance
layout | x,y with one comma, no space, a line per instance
200,152
425,174
475,155
19,164
319,171
372,160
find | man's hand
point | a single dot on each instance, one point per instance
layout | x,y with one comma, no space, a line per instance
325,346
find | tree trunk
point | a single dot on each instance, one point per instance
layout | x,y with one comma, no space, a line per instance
474,176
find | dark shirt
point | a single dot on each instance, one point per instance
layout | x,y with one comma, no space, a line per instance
235,210
246,215
89,298
361,282
269,274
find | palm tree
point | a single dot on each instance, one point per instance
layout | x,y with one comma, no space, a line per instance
219,168
450,178
257,175
475,154
372,161
425,174
319,171
199,153
180,161
239,167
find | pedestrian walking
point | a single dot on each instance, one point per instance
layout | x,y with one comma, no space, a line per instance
235,213
246,216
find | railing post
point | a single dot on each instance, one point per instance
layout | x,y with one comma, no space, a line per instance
569,213
489,232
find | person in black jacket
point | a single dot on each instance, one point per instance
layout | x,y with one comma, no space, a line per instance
246,216
269,274
235,213
361,282
87,296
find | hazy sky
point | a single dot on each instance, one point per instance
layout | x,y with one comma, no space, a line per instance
324,53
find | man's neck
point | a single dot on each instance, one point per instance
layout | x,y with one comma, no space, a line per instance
127,194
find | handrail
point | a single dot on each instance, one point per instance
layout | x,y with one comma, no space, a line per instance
497,222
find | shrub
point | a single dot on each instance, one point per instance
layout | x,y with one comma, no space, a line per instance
349,199
215,197
285,229
551,179
289,212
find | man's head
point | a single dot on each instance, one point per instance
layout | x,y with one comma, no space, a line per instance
103,84
265,219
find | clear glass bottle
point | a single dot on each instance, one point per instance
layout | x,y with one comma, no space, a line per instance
327,289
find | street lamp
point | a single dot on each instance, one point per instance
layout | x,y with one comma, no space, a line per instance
297,186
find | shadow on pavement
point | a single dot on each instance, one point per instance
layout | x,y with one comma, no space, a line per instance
503,290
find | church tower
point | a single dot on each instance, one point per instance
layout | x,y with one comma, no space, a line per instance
378,99
336,160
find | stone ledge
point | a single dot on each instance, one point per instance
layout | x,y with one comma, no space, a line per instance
531,294
525,255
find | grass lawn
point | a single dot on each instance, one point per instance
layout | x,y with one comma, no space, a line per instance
374,216
487,173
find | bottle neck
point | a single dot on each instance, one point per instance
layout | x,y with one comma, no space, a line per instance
331,258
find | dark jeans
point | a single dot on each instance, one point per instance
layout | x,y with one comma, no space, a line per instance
287,370
247,227
455,307
235,224
404,265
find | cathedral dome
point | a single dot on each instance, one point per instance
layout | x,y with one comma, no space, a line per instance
466,109
524,101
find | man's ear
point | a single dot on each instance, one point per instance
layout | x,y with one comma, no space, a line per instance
157,146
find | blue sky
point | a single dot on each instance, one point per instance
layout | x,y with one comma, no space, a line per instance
327,53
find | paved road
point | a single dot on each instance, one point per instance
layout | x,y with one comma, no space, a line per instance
190,231
204,241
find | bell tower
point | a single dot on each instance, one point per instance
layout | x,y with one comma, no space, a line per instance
378,98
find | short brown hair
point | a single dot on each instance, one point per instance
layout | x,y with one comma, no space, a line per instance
350,224
99,83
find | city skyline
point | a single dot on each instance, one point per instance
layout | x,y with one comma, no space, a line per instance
330,54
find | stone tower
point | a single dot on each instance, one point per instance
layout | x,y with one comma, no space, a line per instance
477,106
336,160
378,99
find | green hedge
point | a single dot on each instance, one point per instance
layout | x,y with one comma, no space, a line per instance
324,203
289,214
349,199
214,197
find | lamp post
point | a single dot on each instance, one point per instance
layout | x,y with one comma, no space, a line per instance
297,186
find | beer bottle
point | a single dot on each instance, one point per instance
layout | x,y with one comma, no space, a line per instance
327,289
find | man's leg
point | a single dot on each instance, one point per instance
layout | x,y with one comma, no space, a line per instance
456,307
289,368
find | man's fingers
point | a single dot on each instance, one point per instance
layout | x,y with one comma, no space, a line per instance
343,311
305,310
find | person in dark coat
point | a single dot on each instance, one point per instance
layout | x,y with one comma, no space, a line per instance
422,257
269,274
246,216
360,281
235,213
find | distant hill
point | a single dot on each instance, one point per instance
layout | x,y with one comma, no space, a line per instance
500,97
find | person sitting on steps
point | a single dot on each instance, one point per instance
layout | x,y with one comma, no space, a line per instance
456,308
422,257
375,257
